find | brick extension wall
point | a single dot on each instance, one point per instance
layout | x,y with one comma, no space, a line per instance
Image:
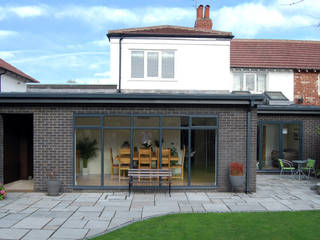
53,139
306,87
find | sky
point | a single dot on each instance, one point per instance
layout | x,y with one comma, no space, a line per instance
56,41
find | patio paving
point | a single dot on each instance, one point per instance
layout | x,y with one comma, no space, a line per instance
82,215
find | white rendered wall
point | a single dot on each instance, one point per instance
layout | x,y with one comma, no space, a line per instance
11,84
200,64
282,81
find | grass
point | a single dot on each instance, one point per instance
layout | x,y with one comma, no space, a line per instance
197,226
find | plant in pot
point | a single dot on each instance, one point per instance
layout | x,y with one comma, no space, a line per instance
53,184
3,192
88,149
236,174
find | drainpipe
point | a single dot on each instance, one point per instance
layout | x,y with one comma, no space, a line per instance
248,148
120,40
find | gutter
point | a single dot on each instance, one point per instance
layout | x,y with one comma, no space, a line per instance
120,49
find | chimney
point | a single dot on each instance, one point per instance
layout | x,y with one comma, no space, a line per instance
203,22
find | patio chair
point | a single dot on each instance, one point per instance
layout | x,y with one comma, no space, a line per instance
286,166
310,167
113,165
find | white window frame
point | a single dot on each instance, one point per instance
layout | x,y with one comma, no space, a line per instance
145,59
244,79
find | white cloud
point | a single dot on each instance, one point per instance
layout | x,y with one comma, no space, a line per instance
72,56
7,55
102,74
249,19
7,33
98,14
28,11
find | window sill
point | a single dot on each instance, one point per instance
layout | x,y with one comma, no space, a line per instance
153,80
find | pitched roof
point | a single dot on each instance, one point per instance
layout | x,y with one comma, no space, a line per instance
287,54
9,67
169,31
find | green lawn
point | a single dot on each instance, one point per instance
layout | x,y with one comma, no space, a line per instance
303,225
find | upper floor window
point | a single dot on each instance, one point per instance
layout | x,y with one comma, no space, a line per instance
152,64
254,82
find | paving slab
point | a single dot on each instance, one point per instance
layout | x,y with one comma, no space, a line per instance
74,223
12,233
32,222
69,233
38,235
11,219
97,224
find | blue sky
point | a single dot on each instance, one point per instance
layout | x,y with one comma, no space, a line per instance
57,41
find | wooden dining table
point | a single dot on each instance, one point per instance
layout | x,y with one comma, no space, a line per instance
173,159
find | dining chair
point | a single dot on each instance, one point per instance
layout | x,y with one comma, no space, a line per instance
144,158
180,165
286,166
124,160
310,167
166,155
113,165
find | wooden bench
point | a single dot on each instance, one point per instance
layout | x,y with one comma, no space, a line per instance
143,176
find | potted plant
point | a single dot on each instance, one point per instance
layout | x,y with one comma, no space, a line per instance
88,149
236,174
3,192
53,184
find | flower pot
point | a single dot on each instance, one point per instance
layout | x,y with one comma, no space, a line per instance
85,171
53,187
237,181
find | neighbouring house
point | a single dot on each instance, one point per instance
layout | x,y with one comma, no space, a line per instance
12,79
289,66
175,98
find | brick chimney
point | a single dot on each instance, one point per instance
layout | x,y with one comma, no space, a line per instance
203,22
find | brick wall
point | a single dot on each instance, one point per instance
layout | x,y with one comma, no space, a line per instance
53,136
306,87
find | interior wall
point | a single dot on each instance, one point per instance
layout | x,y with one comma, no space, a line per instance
18,147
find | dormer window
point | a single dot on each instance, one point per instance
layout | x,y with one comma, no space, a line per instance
150,64
253,82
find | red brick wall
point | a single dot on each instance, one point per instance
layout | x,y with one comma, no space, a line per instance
306,87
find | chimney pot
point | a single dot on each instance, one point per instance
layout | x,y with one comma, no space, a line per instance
203,22
207,12
200,12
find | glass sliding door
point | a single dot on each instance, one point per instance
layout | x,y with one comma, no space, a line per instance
88,157
270,146
107,146
279,140
114,141
291,141
203,157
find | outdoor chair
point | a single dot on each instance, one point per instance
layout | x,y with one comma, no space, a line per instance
166,155
286,167
310,167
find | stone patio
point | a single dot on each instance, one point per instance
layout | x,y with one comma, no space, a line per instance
82,215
